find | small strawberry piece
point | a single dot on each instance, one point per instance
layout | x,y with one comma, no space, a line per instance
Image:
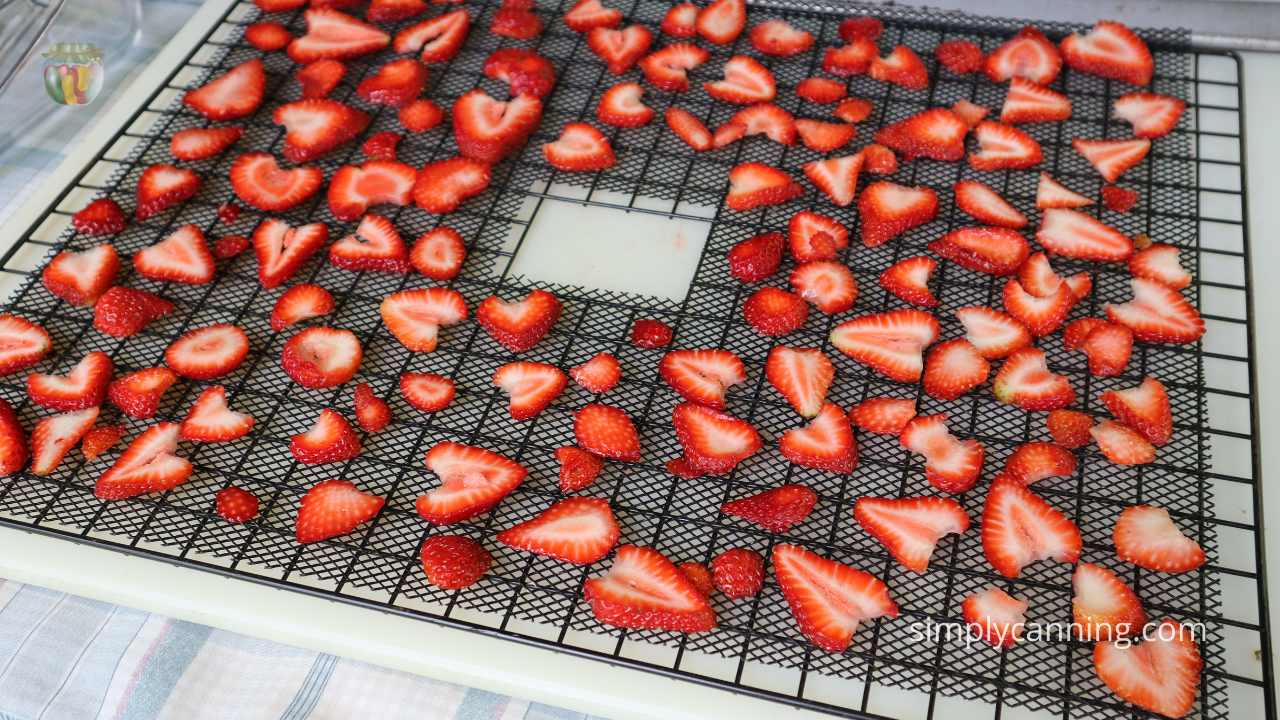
865,27
1081,285
722,21
1162,674
120,312
702,376
738,573
951,465
518,326
992,332
1069,428
138,394
757,258
1040,315
102,216
688,128
650,334
578,530
1110,50
524,71
1157,314
182,257
827,284
824,137
813,236
437,39
954,368
681,20
1111,158
314,127
578,468
776,510
882,415
621,106
891,343
910,528
489,130
774,312
667,69
1103,607
1108,348
1144,408
1034,461
473,481
300,303
779,38
760,119
229,246
267,36
203,143
258,180
936,133
986,206
970,113
331,439
606,431
321,357
80,278
620,49
961,57
530,387
853,110
599,374
1019,528
1073,234
161,187
234,94
1052,194
235,504
333,35
516,23
420,116
148,465
699,575
837,177
821,91
995,616
386,11
801,375
902,67
453,562
644,590
745,81
753,185
100,439
319,78
828,599
211,420
416,316
1038,277
826,443
372,412
1118,199
590,14
332,508
84,386
438,254
1028,102
1002,147
1146,536
443,185
208,352
374,246
396,83
427,392
1150,114
855,58
887,210
714,442
994,250
1159,262
1029,54
1025,380
52,438
13,441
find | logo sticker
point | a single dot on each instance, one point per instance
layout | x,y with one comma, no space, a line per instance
73,73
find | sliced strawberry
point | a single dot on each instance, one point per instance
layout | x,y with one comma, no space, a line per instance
488,130
530,387
745,81
281,249
1146,536
1111,158
372,412
332,508
961,57
1026,381
374,246
120,312
1069,428
606,431
1162,674
427,392
986,206
138,394
681,20
437,39
970,113
908,279
1150,114
84,386
779,38
267,36
774,312
420,115
1109,50
443,185
801,375
590,14
1077,331
1019,528
278,6
102,216
1029,54
827,284
1159,262
760,119
620,49
936,133
438,254
910,528
887,210
182,257
1103,607
992,332
330,439
161,187
203,143
951,465
473,481
578,530
100,439
333,35
299,303
826,443
1121,444
776,510
650,334
1003,147
258,180
667,69
891,343
714,442
853,110
1028,102
599,374
863,26
80,278
994,250
837,177
828,599
821,91
53,437
234,94
524,71
954,368
1144,408
753,185
688,128
211,420
722,21
514,22
13,441
1034,461
756,258
995,616
148,465
520,325
854,58
644,590
1038,277
415,317
383,11
229,246
321,357
901,67
621,106
1118,199
738,573
319,78
314,127
702,376
1073,234
1081,285
1052,194
1157,314
824,137
208,352
813,236
1108,347
396,83
235,504
1040,315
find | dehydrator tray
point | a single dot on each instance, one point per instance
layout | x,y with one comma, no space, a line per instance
648,238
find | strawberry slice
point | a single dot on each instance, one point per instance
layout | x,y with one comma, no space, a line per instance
621,106
1108,347
148,465
882,415
992,332
518,326
163,186
282,249
1161,674
427,392
1111,158
333,35
53,437
1052,194
578,530
1151,115
714,442
854,58
396,83
1029,54
1159,262
1028,102
530,386
208,352
994,250
299,303
1025,380
908,279
330,439
473,481
420,115
1144,408
355,188
936,133
738,573
951,465
760,119
443,185
902,67
1034,461
203,143
853,110
645,590
954,367
321,357
970,113
439,253
891,343
688,128
415,317
1103,607
1121,444
374,246
257,179
1073,234
138,394
1110,50
332,508
776,510
863,26
995,616
489,130
13,441
84,386
182,257
753,185
1040,315
1038,277
1118,199
211,420
821,91
773,312
1002,147
756,258
620,49
234,94
578,468
650,334
745,81
600,374
888,210
235,504
1069,428
910,528
985,205
702,376
389,11
120,312
780,39
80,278
828,599
1019,528
826,443
314,127
590,14
837,177
961,57
437,39
667,69
722,21
801,375
827,285
824,137
102,216
267,36
516,22
1157,314
100,439
606,431
681,20
278,6
813,236
319,78
1146,536
524,71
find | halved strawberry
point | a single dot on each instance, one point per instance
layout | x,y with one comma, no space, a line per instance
1028,54
951,465
578,468
138,393
396,83
427,392
444,184
203,143
53,437
208,352
620,49
120,312
590,14
1159,262
1162,674
756,258
181,257
1026,381
1028,102
910,528
80,278
827,284
702,376
828,599
1069,428
1003,147
333,35
887,210
516,22
321,357
438,253
488,130
1038,277
776,510
837,177
148,465
774,312
1121,444
1034,461
332,508
100,439
1073,234
760,119
853,110
753,185
992,332
1151,115
319,78
382,11
374,246
970,113
1019,528
473,481
415,317
826,443
854,58
1108,347
644,590
524,71
908,279
688,128
281,249
1052,194
257,179
1040,315
714,442
579,530
995,616
745,81
420,115
824,137
722,21
330,439
13,441
961,57
1146,536
994,250
1111,158
901,67
621,106
1103,607
821,91
1144,408
1157,314
267,36
779,38
1109,50
355,188
891,343
681,20
234,94
314,127
667,69
520,325
599,374
437,39
801,375
813,236
953,368
162,186
606,431
84,386
299,303
530,386
936,133
211,420
101,216
986,206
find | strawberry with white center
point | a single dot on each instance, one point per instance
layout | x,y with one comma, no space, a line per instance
1144,408
203,143
823,137
745,81
332,508
951,465
776,510
1040,315
1121,444
994,250
780,39
314,127
702,376
524,71
257,179
208,352
992,332
181,257
234,94
332,35
300,303
827,284
161,187
443,185
667,69
821,91
396,83
1052,194
1161,674
891,343
317,79
855,58
1032,462
681,20
883,415
1103,607
102,216
488,130
1026,381
1151,115
580,148
1069,428
530,386
578,468
1146,536
902,67
714,442
522,324
910,528
908,279
1003,147
722,21
759,119
982,203
282,249
620,49
971,113
589,14
374,246
83,387
1028,102
1111,158
353,189
826,443
606,431
148,465
752,185
1160,262
995,616
1109,50
801,375
888,210
437,39
644,590
936,133
330,439
53,437
1074,234
138,393
211,420
321,357
427,392
1019,528
953,368
620,106
756,258
600,374
415,317
1157,314
688,128
473,481
1029,54
578,530
1038,277
828,600
438,253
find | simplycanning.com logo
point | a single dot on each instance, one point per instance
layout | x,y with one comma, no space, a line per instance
73,73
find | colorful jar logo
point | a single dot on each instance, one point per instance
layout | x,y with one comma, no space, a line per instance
73,73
